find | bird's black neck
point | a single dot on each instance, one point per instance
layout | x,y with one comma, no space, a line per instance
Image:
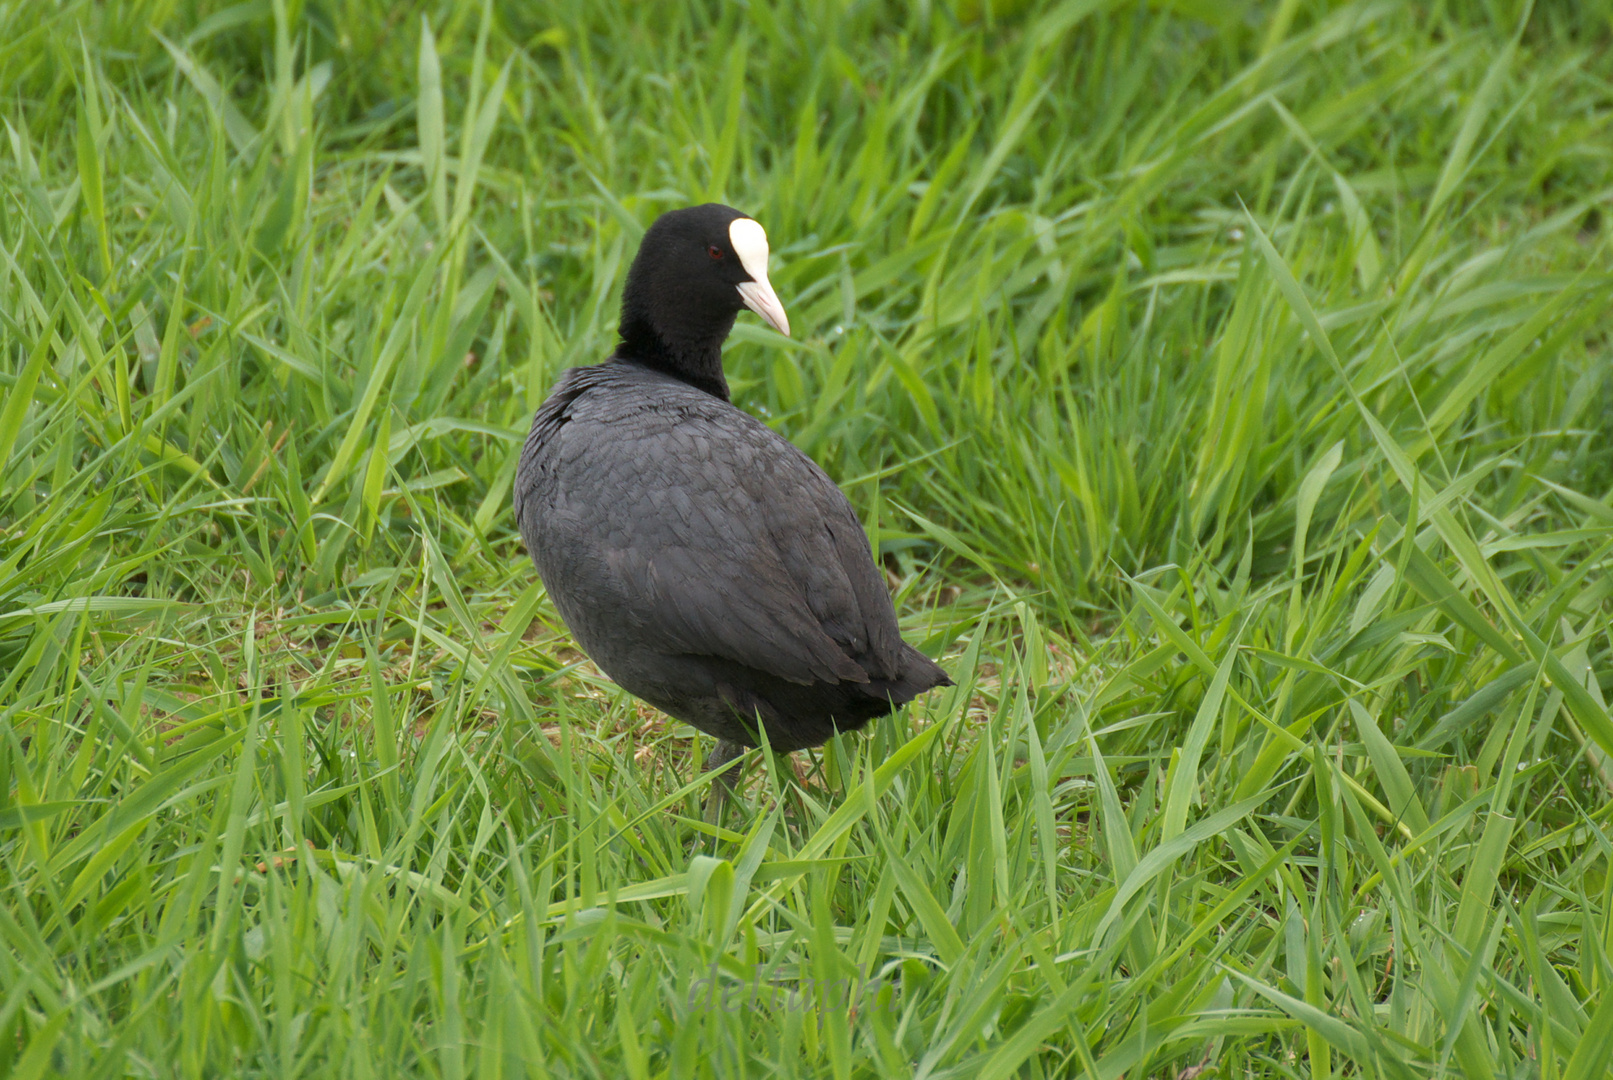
697,361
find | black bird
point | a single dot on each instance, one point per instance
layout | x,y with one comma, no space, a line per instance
703,562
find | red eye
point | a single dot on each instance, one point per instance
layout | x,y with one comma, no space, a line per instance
714,251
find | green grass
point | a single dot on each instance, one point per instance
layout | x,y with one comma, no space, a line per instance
1227,388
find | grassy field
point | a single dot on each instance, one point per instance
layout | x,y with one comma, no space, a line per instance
1227,388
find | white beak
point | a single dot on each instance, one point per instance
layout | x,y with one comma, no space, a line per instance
750,244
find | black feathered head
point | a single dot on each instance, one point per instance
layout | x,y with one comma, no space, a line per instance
694,270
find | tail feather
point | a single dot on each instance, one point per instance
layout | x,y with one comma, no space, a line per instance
919,673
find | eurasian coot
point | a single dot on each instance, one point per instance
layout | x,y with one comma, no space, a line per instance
703,562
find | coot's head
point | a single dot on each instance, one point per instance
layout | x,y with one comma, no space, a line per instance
694,270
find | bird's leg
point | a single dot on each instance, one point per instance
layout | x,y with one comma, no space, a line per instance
726,781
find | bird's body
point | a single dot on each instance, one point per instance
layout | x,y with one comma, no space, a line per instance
707,565
704,563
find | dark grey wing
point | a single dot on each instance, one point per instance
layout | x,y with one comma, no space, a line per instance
711,535
832,564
